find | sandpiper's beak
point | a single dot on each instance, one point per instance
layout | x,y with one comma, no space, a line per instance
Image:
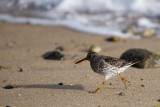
81,60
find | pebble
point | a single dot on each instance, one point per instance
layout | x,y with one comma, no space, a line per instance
149,32
110,84
95,48
142,85
21,70
10,44
8,106
157,105
121,94
8,87
115,39
2,67
60,83
60,48
54,55
158,100
4,80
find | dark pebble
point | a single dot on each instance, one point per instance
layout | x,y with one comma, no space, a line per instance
2,67
99,105
4,80
60,48
121,94
158,100
8,106
141,79
60,83
114,39
142,85
8,87
110,84
54,55
21,70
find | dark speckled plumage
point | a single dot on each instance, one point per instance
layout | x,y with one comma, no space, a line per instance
107,66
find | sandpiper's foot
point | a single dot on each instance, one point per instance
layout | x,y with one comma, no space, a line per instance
100,86
124,80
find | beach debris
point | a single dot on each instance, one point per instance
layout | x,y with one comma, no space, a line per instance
158,100
115,39
8,87
60,48
4,80
95,48
8,106
75,56
60,83
121,94
21,70
156,105
147,59
142,79
110,84
53,55
148,32
9,44
2,67
142,85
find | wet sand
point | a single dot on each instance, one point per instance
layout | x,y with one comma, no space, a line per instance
35,79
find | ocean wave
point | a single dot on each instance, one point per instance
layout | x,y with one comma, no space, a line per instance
102,17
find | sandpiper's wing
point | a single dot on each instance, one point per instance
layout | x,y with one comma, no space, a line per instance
116,62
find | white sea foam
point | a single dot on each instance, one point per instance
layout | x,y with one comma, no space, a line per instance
103,17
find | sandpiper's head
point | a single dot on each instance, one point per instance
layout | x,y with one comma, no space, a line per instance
90,55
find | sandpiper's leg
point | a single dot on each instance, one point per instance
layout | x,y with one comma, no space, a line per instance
123,79
100,86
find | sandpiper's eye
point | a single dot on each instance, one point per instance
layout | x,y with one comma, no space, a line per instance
89,56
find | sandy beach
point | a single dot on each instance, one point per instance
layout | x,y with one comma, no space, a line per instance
35,80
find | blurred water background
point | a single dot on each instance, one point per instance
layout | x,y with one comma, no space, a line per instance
126,18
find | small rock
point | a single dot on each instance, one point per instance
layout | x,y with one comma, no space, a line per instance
4,80
121,94
8,87
54,55
2,67
10,44
99,105
60,48
8,106
158,100
60,83
115,39
110,84
74,56
19,95
142,85
149,32
141,79
147,58
157,105
21,70
95,48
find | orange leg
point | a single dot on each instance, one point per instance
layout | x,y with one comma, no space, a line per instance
96,90
123,79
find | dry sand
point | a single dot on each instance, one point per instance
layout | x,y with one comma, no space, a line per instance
22,46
